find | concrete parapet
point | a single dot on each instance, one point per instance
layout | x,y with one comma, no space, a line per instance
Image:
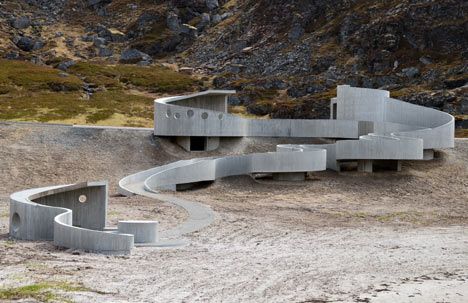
143,231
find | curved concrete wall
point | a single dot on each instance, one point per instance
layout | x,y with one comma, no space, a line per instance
210,169
172,119
73,216
382,128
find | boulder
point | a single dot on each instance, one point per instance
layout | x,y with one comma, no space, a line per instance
296,32
28,43
464,105
132,56
88,38
234,100
186,70
410,72
64,65
189,30
215,19
425,60
116,35
99,42
21,22
205,21
173,22
105,52
96,3
212,4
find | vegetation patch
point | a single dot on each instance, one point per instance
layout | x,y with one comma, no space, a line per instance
63,107
33,77
152,78
43,292
461,133
30,92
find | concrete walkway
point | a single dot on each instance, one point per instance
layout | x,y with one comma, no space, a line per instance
199,215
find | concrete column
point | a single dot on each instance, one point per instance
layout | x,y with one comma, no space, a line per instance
428,154
365,166
183,142
212,143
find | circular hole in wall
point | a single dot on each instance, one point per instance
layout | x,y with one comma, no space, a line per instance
15,222
177,115
168,113
204,116
82,199
220,116
190,113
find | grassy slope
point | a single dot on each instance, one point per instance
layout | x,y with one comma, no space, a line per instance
30,92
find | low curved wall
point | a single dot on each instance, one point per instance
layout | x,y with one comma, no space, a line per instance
210,169
73,216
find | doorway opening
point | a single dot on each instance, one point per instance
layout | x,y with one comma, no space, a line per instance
197,143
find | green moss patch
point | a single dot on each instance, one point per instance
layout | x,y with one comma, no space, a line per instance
42,292
151,78
30,92
70,107
33,77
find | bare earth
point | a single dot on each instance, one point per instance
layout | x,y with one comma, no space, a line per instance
347,237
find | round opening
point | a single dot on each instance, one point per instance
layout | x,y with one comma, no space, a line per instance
15,222
177,115
204,116
82,199
190,113
168,113
220,116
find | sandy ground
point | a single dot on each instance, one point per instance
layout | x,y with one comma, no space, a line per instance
347,237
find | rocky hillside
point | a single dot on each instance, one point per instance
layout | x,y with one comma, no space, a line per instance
285,56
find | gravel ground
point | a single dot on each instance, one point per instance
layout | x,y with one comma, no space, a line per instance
347,237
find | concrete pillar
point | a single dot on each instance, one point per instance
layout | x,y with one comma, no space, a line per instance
428,154
209,144
212,143
365,166
296,176
398,165
183,142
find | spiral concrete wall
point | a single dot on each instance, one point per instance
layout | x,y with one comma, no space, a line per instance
381,128
73,216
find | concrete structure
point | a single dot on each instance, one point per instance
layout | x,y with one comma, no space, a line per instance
369,128
381,128
74,216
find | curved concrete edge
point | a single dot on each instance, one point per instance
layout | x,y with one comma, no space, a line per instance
167,177
212,169
74,216
69,236
35,214
199,215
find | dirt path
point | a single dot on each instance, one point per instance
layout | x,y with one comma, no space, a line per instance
348,237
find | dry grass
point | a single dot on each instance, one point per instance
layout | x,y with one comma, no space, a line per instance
28,76
30,92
